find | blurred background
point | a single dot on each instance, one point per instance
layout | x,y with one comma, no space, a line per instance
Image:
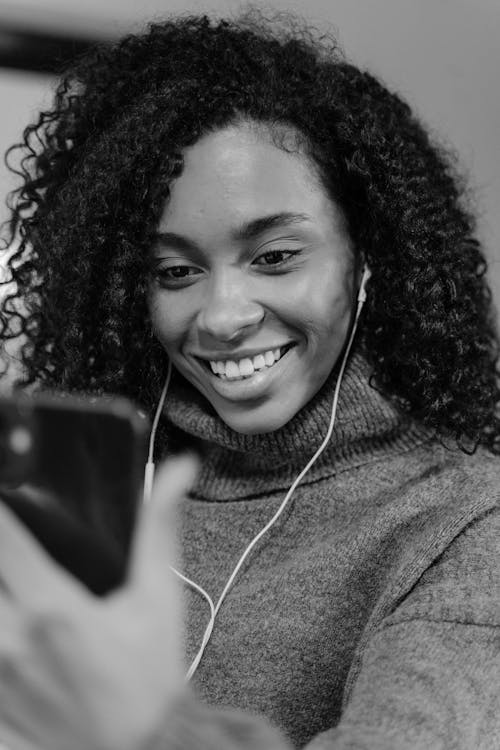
442,55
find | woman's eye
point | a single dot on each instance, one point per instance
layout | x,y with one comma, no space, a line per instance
175,274
275,257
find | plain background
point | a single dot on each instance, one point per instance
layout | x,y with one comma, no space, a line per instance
443,56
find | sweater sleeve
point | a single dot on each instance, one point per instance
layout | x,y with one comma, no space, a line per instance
426,678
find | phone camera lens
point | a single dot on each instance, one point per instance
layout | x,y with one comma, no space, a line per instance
20,440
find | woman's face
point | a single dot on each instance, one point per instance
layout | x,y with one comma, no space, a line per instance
252,276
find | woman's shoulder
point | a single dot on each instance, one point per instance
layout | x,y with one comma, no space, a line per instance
473,475
443,471
434,498
446,529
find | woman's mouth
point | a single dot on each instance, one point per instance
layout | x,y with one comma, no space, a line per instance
242,369
231,381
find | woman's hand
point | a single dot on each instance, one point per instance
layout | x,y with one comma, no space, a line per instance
84,673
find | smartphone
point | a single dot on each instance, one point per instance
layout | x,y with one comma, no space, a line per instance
72,470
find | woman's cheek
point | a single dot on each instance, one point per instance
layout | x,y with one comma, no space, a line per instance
167,322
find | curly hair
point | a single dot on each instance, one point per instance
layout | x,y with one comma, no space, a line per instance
96,174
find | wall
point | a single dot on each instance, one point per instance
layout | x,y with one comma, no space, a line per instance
21,95
443,55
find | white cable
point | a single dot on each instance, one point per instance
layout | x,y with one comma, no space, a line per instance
149,469
198,588
150,472
214,611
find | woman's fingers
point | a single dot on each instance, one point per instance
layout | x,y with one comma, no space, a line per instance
129,645
12,740
28,573
9,617
154,546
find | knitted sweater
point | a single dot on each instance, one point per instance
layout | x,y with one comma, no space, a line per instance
368,617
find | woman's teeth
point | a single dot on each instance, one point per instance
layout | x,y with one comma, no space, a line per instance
245,368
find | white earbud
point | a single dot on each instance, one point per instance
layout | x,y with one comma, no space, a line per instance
362,287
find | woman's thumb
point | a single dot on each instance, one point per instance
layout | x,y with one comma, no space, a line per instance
154,544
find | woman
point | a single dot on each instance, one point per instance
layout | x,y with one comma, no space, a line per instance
206,200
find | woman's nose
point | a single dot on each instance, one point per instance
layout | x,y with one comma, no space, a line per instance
227,313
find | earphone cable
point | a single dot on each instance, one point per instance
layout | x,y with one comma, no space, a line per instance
149,469
149,473
214,611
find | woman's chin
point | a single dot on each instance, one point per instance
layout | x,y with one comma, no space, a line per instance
255,424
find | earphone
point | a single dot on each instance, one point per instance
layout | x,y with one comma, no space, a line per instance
362,288
149,473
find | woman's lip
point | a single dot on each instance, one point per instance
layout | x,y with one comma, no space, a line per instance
252,387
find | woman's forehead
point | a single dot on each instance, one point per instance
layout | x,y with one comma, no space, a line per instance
238,175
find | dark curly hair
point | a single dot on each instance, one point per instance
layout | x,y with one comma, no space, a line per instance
96,173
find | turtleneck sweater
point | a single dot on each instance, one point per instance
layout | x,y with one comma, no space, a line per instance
368,616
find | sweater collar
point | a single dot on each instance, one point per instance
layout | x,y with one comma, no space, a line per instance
236,466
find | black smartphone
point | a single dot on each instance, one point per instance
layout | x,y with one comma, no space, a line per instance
72,469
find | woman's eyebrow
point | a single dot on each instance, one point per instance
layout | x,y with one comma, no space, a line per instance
176,240
251,229
247,231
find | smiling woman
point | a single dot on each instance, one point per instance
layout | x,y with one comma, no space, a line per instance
202,209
